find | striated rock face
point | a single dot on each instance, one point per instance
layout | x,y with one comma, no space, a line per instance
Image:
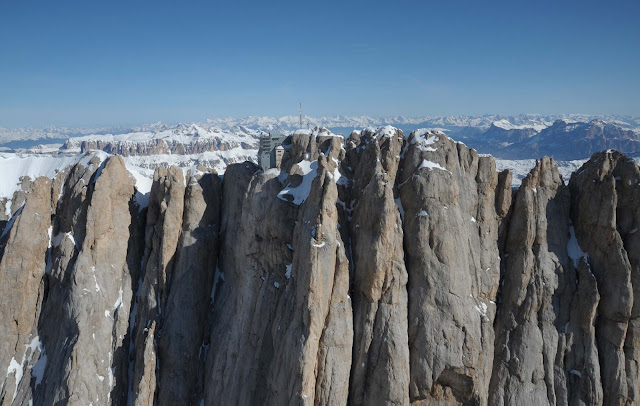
282,317
380,366
379,270
249,268
164,219
85,311
181,346
537,288
605,196
22,268
182,244
451,245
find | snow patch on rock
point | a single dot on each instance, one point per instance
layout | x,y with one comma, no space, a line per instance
301,192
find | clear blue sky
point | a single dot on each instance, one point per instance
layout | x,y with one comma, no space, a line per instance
126,62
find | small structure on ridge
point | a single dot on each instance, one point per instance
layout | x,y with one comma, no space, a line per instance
271,151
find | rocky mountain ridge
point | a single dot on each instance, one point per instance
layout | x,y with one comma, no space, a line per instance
380,269
181,140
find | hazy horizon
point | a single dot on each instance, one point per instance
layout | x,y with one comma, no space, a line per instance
318,120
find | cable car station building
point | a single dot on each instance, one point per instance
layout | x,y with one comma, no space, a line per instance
271,151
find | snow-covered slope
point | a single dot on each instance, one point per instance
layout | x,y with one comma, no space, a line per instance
14,166
508,125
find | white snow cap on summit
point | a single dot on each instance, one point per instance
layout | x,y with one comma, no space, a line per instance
507,125
15,166
317,132
386,131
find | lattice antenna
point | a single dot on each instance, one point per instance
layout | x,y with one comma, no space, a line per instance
300,114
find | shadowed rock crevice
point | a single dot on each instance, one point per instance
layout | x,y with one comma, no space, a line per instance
182,333
163,228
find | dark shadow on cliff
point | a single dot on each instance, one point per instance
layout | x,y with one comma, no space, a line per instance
181,336
135,251
57,329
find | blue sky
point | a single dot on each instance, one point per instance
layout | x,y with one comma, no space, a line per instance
84,63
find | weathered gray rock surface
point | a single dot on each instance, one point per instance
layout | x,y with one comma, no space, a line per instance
380,366
538,285
381,270
606,213
22,268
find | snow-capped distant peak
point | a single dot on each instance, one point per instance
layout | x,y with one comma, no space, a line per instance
504,124
507,125
567,121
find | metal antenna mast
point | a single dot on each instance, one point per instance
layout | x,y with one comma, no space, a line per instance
300,114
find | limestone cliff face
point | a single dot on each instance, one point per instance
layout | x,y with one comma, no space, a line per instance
538,286
181,345
451,227
379,270
22,268
282,314
606,213
84,315
380,367
164,219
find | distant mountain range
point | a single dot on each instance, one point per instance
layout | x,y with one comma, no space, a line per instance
526,136
563,140
537,121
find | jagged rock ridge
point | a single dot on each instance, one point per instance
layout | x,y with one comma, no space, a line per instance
382,269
